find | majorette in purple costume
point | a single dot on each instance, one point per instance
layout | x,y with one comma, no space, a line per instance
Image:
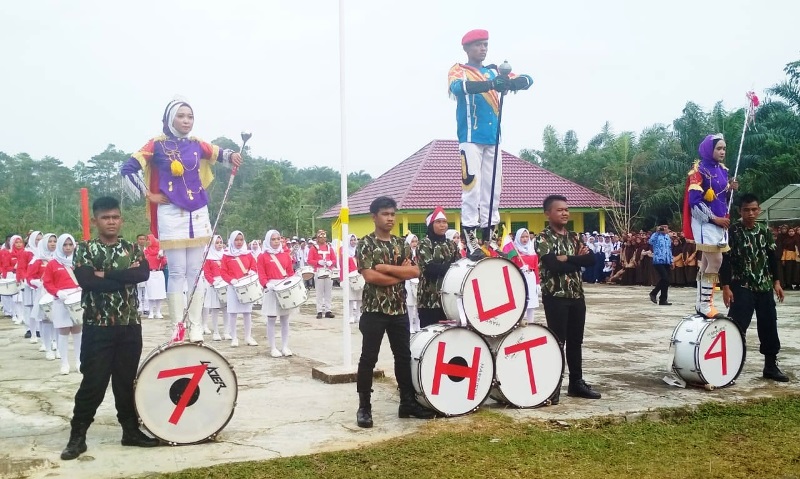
176,173
706,217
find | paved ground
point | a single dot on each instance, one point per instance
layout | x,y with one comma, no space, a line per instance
282,411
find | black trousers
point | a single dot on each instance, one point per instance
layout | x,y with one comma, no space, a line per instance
372,327
429,316
745,302
108,353
663,281
566,317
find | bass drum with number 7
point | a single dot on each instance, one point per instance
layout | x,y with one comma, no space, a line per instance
185,393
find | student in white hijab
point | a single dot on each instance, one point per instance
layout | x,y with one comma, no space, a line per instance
212,275
528,262
274,268
412,285
357,291
237,263
59,280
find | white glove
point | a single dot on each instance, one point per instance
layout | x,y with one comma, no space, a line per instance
330,263
36,283
524,268
62,294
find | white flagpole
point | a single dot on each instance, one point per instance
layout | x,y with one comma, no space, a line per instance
747,116
344,213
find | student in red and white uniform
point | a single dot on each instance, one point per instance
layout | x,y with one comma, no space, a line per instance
156,284
25,290
10,269
255,249
528,262
59,280
322,257
355,295
411,286
237,262
274,266
5,255
455,236
45,249
212,274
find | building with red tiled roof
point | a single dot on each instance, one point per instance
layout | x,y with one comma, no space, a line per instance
432,176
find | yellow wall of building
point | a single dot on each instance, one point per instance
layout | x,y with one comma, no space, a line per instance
361,225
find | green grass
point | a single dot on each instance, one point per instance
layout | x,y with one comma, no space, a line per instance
758,439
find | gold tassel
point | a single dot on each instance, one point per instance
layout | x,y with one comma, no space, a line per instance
176,167
710,195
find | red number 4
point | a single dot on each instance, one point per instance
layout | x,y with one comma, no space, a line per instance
722,353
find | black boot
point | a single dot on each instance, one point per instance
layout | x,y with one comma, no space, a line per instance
132,436
772,371
364,413
580,389
556,397
409,407
77,442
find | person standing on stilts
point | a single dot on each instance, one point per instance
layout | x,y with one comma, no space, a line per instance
705,218
477,88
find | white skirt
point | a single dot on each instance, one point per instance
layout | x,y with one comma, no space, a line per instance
533,297
212,300
27,294
271,306
174,225
234,306
36,312
59,315
710,237
156,286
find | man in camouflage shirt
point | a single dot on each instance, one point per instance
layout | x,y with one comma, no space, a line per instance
107,269
436,255
749,275
561,255
385,262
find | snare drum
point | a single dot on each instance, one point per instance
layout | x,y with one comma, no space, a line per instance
528,366
185,393
451,368
489,295
707,351
307,272
9,286
356,281
323,273
46,305
74,307
247,289
291,293
222,293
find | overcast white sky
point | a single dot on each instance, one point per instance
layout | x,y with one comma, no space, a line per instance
79,75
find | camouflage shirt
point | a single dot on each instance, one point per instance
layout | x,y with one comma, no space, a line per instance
443,252
560,285
750,254
118,308
370,252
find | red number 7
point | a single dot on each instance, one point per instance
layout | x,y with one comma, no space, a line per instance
722,353
197,374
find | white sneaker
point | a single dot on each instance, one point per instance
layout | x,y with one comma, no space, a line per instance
287,352
227,337
206,330
159,316
42,348
65,369
250,341
151,315
49,355
34,339
275,353
235,342
216,337
16,320
53,345
352,321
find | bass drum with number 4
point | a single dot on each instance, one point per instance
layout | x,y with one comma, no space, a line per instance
185,393
707,351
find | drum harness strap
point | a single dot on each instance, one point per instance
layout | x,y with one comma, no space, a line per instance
278,264
241,265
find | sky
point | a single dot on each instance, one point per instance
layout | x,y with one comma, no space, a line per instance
83,74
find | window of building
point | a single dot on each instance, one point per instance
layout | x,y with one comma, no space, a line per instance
418,229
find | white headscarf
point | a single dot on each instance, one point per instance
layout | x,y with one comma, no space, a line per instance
449,234
352,249
170,113
232,250
213,253
42,252
411,237
527,248
268,244
255,248
32,242
59,253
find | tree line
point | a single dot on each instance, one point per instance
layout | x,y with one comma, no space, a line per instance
646,172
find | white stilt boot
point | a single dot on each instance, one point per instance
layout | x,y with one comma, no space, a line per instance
196,314
175,309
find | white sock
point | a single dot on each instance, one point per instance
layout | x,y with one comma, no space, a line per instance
232,324
63,348
77,340
271,331
285,331
215,320
46,329
529,314
248,324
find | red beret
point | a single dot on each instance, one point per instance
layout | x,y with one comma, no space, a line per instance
474,36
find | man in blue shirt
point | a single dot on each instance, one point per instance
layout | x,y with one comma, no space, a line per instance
662,262
476,88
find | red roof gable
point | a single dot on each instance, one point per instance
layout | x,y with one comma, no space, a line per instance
432,176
